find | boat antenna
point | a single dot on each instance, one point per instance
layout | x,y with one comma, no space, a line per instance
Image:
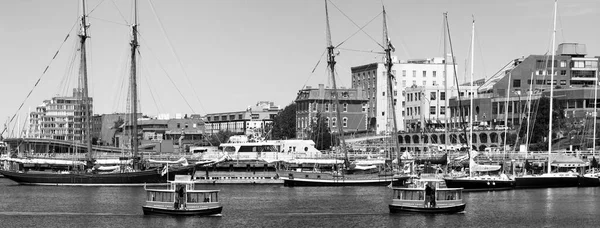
551,89
83,86
133,87
389,48
331,65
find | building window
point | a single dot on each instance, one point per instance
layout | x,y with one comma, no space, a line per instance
563,82
414,73
539,82
442,110
432,110
403,83
528,81
314,107
345,107
327,107
382,113
364,107
563,72
434,73
443,96
434,83
383,94
178,125
414,82
424,73
432,96
517,83
403,73
333,122
327,121
240,116
563,63
345,122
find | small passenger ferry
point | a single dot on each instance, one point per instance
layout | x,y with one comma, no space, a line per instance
427,196
180,198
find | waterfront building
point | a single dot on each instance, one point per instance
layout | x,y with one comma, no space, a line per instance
313,101
254,119
372,78
60,118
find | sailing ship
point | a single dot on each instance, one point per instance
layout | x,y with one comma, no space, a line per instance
344,174
483,182
90,174
549,179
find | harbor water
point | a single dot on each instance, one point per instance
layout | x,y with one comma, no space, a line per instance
278,206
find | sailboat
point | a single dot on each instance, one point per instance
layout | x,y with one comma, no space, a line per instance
483,182
91,176
346,176
549,179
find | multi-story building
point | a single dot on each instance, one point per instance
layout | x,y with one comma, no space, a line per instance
372,78
320,101
425,107
61,118
253,119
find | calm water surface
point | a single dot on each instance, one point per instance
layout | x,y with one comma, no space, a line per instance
277,206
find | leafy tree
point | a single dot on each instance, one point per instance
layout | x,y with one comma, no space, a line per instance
539,131
284,124
320,133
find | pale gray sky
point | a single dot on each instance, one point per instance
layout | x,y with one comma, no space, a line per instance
237,52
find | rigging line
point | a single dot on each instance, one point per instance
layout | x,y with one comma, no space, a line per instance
114,22
149,87
480,53
120,13
40,77
167,74
88,14
356,25
359,29
371,51
313,70
175,54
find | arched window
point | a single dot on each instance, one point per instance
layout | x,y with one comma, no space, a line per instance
327,121
345,122
345,107
333,122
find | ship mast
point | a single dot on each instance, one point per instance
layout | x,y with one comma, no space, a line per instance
470,137
551,89
390,77
331,65
133,85
446,95
83,84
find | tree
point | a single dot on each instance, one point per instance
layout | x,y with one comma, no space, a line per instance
539,131
284,124
320,133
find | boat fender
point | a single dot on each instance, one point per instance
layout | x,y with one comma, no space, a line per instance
488,183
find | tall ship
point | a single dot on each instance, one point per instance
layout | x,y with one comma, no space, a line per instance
342,171
89,172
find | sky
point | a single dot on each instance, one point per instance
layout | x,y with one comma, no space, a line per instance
225,55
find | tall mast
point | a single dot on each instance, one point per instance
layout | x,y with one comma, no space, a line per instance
331,64
446,95
506,113
470,137
471,90
529,115
595,115
83,84
387,44
133,83
551,89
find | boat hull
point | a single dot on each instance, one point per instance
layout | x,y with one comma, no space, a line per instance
292,182
546,182
195,212
138,178
589,181
479,185
427,210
